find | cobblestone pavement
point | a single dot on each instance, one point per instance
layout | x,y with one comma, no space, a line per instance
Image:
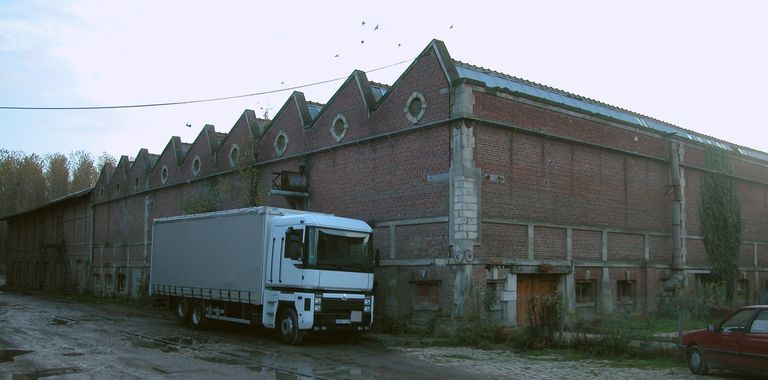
503,364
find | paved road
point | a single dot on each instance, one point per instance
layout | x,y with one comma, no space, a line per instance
44,337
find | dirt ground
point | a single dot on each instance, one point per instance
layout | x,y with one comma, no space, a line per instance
53,337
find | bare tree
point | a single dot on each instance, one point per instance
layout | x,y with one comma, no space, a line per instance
84,172
104,159
57,175
9,181
31,183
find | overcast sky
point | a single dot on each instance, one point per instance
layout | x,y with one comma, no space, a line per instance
700,65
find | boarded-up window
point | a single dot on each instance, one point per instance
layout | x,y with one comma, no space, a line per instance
585,292
426,294
121,283
626,293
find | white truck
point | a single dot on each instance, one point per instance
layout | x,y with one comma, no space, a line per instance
291,271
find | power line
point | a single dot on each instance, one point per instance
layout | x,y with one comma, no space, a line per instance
194,101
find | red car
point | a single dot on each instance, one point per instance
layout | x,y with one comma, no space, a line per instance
738,343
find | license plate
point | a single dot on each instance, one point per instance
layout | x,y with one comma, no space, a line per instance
343,322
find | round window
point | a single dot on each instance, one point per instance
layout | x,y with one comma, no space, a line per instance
234,155
196,165
281,143
415,108
164,174
339,127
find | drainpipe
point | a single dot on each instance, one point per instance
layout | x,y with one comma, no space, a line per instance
677,232
677,207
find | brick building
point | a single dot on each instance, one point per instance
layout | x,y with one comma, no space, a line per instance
49,248
483,189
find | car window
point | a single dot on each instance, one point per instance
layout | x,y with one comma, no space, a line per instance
760,325
738,321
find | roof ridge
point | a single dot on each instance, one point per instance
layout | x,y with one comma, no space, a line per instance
563,92
599,103
377,84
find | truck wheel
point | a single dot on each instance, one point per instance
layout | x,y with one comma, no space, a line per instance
289,327
197,315
181,309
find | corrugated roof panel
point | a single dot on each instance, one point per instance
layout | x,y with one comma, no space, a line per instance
518,85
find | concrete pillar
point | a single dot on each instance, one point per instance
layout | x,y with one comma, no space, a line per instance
569,282
464,218
606,296
509,301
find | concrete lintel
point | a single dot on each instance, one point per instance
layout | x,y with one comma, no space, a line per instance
578,227
411,222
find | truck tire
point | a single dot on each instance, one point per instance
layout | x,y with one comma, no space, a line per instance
181,309
197,315
288,327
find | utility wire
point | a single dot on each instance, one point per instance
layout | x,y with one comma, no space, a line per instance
195,101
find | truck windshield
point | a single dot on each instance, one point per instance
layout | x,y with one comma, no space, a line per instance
340,250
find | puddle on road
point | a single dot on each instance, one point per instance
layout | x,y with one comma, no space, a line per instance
60,322
279,375
220,360
45,373
186,341
8,355
155,346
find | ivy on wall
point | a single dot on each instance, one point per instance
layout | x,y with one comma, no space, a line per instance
200,200
257,191
720,218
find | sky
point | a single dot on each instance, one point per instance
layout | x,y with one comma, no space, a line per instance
700,65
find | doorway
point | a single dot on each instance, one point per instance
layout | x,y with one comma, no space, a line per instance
529,286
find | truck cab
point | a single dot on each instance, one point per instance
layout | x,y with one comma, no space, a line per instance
319,276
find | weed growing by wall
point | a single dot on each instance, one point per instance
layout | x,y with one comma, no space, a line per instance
721,219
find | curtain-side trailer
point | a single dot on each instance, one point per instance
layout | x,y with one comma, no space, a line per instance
291,271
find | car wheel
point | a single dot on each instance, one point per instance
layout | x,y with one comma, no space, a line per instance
182,309
289,327
197,315
696,361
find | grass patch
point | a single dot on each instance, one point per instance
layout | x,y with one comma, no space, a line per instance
638,326
648,360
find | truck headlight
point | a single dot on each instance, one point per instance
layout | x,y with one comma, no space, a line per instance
367,305
318,304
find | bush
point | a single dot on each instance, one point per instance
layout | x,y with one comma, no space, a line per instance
543,321
613,342
665,308
534,338
706,302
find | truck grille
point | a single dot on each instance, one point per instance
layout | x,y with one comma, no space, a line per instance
332,305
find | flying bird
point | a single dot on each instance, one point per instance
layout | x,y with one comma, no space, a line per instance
363,23
398,45
336,56
376,28
189,125
451,27
362,41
